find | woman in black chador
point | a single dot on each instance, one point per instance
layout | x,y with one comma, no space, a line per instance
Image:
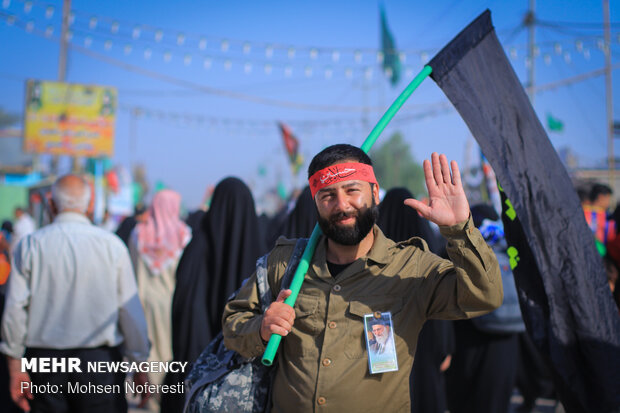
214,264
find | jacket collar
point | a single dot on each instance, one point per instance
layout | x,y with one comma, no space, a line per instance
71,217
380,250
379,253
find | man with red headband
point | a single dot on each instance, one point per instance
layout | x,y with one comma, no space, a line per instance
358,275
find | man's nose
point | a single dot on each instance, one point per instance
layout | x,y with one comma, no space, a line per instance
342,202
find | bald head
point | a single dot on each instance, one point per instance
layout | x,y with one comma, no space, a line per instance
71,193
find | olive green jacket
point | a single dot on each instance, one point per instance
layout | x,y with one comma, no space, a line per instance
323,363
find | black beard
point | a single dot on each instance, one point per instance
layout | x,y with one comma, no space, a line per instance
345,235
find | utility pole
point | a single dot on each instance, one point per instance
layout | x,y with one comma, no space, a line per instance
608,96
530,22
62,60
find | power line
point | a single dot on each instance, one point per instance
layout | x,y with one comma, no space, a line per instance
256,99
584,25
574,79
137,33
219,92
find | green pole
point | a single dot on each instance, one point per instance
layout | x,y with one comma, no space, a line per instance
304,264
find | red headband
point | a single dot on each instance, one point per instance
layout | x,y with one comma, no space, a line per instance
341,172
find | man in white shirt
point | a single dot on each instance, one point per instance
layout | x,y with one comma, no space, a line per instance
24,225
72,294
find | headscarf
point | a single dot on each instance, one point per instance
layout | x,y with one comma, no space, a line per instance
222,253
162,236
234,243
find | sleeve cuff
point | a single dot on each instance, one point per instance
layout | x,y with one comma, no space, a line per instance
457,229
249,343
136,357
257,344
15,353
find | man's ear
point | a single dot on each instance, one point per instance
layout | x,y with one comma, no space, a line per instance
53,208
375,193
90,211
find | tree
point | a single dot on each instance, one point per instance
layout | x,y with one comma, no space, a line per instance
395,166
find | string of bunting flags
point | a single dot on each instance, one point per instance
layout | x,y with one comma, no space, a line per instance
429,110
251,56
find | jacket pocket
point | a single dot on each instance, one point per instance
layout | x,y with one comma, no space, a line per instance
355,346
307,325
306,318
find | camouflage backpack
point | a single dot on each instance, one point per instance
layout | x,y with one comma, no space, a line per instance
222,380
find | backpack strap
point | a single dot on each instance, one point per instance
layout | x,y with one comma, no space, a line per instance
264,291
293,262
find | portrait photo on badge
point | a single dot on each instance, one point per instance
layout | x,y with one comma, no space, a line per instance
380,342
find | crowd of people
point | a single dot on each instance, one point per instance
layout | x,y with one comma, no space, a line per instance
596,199
162,288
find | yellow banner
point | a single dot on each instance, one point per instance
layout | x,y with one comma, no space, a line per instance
69,119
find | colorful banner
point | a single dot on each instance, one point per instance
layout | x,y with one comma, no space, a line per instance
69,119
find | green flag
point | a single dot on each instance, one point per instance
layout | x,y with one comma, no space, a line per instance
391,60
554,124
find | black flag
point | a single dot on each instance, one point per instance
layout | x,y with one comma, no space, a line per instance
565,299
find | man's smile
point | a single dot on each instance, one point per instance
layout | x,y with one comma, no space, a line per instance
348,220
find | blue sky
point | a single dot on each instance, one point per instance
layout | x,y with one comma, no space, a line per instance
312,65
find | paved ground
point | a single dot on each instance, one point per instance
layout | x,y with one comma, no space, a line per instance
542,406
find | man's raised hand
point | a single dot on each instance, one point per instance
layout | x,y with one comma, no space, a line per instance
447,201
